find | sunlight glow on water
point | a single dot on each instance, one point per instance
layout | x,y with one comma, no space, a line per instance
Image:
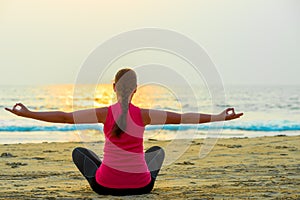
267,108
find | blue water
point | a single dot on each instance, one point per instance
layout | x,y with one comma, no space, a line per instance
266,109
271,126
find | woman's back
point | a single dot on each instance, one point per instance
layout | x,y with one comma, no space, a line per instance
124,164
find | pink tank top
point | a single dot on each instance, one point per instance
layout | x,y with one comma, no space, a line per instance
124,164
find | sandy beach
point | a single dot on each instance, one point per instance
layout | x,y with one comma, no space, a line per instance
237,168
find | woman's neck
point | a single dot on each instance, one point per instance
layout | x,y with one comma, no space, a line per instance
119,99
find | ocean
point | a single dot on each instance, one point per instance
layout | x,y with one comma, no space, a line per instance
268,111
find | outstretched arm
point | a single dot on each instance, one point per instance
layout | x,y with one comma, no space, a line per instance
156,117
97,115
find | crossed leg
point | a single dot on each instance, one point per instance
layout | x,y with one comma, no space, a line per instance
88,162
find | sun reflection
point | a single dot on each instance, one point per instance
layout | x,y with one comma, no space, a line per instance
55,97
155,96
63,97
146,96
104,95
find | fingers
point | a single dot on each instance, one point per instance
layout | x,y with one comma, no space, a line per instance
239,114
236,115
18,105
11,110
230,111
8,109
16,108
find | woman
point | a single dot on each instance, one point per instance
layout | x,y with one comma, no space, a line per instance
125,169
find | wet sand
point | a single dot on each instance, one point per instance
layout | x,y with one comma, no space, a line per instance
236,168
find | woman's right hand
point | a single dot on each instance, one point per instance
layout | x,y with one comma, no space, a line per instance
229,114
19,109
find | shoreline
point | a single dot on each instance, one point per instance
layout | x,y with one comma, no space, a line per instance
236,168
38,137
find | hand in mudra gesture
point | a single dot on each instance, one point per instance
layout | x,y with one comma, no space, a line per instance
229,114
19,109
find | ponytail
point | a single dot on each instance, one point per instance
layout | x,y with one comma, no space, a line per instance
125,83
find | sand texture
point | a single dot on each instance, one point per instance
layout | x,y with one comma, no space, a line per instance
245,168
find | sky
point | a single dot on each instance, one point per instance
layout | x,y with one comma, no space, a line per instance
250,41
